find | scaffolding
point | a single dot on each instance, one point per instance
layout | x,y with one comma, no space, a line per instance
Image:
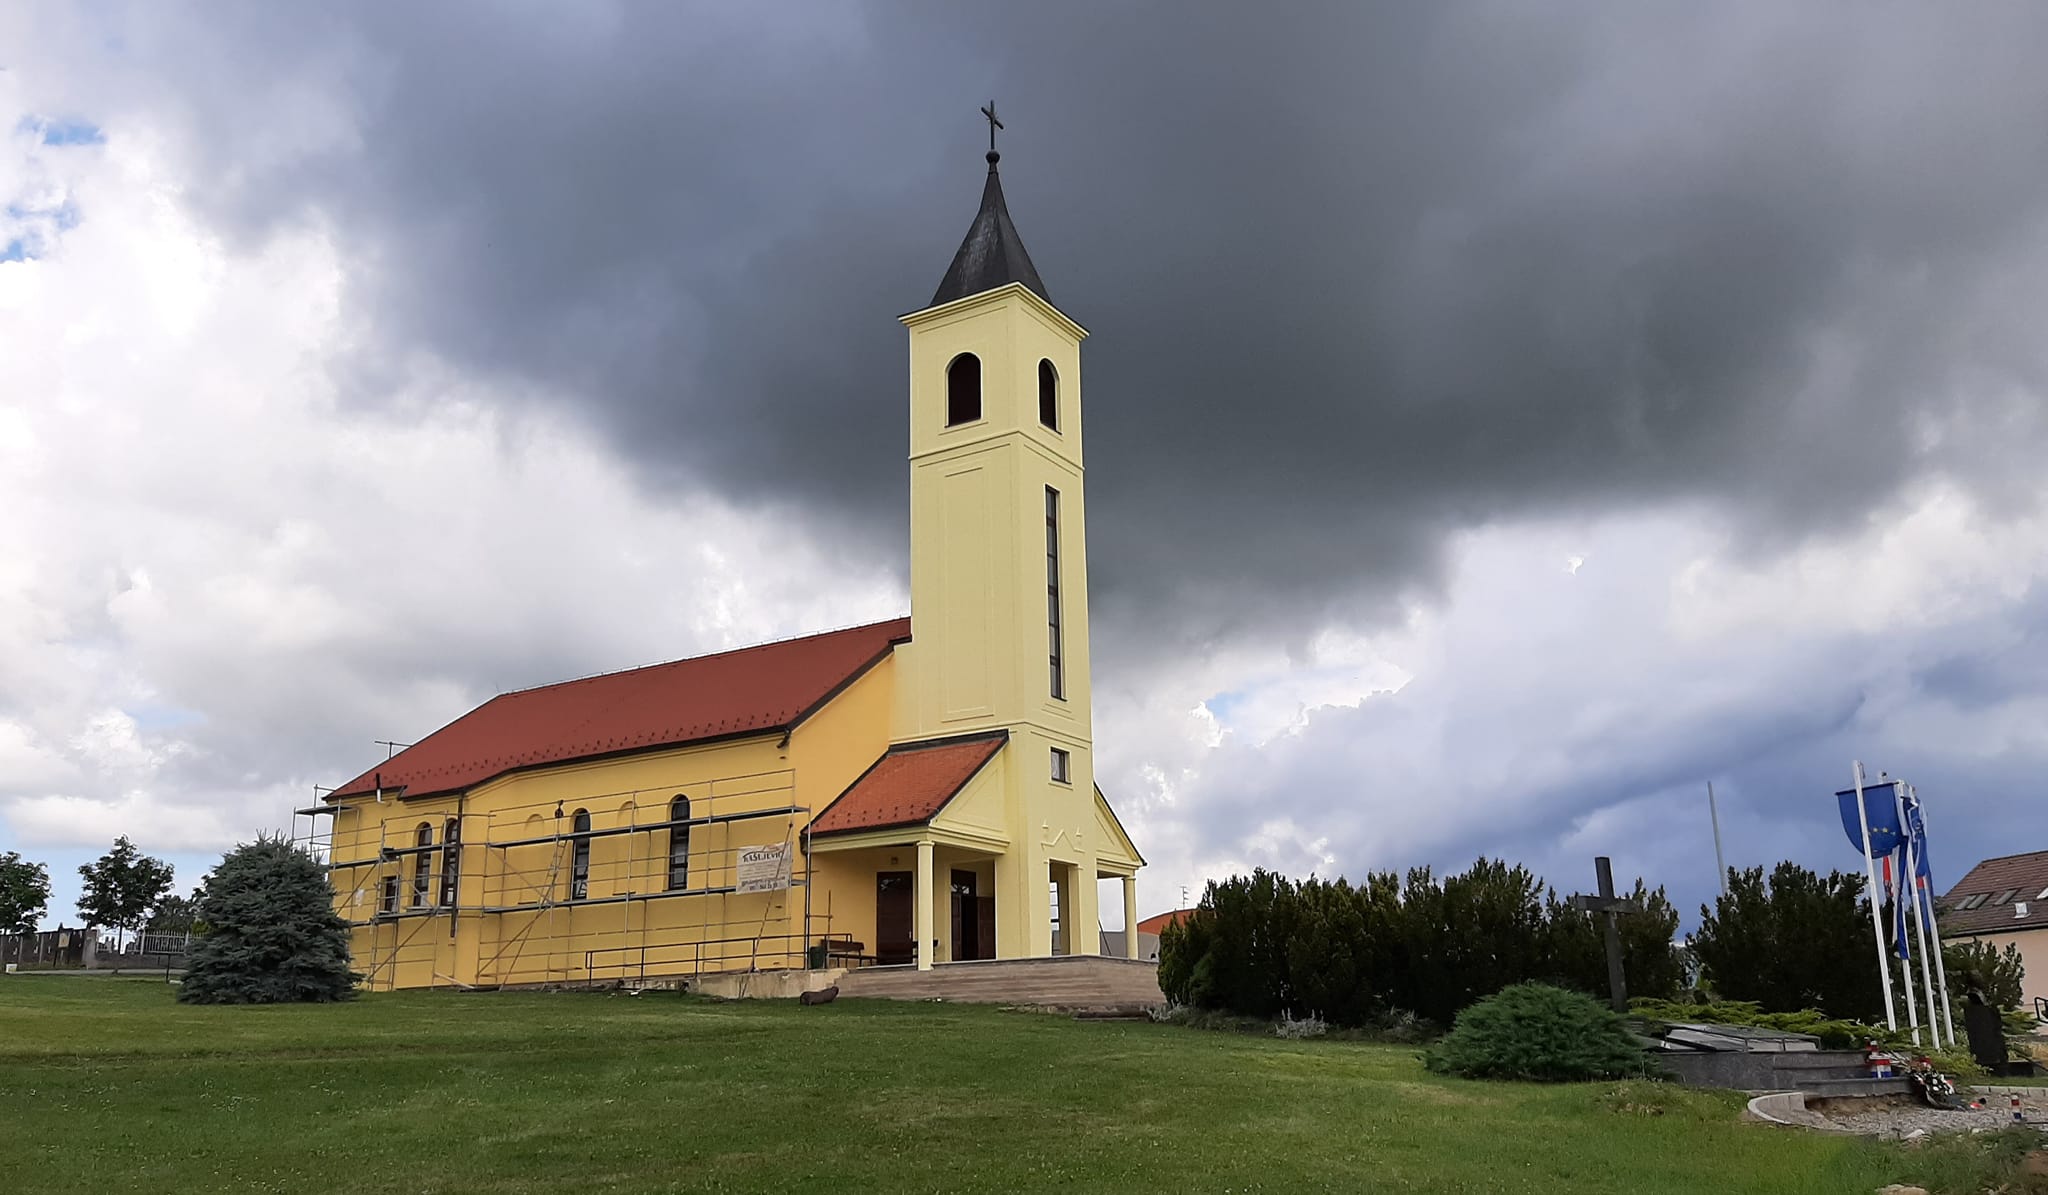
600,888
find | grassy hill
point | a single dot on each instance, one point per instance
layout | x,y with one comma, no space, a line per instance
108,1085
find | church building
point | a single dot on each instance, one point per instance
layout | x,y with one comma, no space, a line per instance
909,794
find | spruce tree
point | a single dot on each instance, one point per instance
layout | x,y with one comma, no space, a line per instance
272,936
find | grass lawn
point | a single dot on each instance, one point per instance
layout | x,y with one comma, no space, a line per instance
108,1085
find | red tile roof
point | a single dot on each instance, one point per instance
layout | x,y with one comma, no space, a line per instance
2025,876
754,690
909,784
1152,925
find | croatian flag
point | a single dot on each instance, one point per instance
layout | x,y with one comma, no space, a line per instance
1923,876
1895,889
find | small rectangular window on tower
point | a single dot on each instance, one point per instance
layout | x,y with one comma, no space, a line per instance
1052,592
1062,769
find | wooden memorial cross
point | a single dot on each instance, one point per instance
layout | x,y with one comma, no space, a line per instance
1612,907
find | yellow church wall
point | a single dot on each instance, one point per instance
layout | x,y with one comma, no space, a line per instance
572,941
551,945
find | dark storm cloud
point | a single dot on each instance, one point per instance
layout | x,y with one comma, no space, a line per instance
1359,275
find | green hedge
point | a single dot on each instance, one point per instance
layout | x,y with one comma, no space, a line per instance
1262,945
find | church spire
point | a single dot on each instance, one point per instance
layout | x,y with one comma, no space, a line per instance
992,254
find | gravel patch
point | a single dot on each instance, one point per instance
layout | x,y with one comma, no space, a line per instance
1903,1116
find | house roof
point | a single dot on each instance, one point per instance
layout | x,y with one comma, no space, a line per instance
1158,922
2020,879
753,690
909,785
992,254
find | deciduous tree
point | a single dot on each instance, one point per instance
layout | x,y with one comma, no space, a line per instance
24,893
121,886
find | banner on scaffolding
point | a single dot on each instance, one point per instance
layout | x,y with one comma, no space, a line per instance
764,868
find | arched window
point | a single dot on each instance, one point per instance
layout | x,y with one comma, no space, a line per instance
422,865
679,844
579,857
451,862
963,389
1048,395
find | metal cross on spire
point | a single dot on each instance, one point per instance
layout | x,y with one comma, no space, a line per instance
993,125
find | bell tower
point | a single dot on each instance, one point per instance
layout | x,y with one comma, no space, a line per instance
998,560
999,567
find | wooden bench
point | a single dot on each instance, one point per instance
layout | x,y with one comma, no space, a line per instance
846,950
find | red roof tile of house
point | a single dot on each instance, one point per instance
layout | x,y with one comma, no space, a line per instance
2020,879
1153,925
753,690
909,784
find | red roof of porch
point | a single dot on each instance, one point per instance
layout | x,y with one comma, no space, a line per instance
909,785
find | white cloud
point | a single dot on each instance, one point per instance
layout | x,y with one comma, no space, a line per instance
219,581
1551,714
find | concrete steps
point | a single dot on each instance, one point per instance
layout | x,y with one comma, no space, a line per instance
1078,982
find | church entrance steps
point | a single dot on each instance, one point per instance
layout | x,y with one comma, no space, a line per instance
1092,983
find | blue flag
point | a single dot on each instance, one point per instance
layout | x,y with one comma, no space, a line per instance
1916,832
1923,875
1881,806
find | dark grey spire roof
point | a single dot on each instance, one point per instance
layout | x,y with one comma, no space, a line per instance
993,254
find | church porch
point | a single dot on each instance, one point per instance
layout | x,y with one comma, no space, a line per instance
909,903
932,900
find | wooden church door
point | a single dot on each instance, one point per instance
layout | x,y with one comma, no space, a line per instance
895,919
966,927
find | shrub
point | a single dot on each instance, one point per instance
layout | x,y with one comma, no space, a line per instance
1537,1032
1296,1028
272,933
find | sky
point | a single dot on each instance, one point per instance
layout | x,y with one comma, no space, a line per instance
1503,421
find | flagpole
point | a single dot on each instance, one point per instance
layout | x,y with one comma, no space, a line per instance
1714,815
1884,968
1933,927
1906,903
1920,936
1898,896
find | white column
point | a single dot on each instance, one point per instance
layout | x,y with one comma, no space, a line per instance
922,899
1131,917
1088,902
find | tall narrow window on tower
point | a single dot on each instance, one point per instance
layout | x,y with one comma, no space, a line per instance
1052,591
1048,395
963,390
